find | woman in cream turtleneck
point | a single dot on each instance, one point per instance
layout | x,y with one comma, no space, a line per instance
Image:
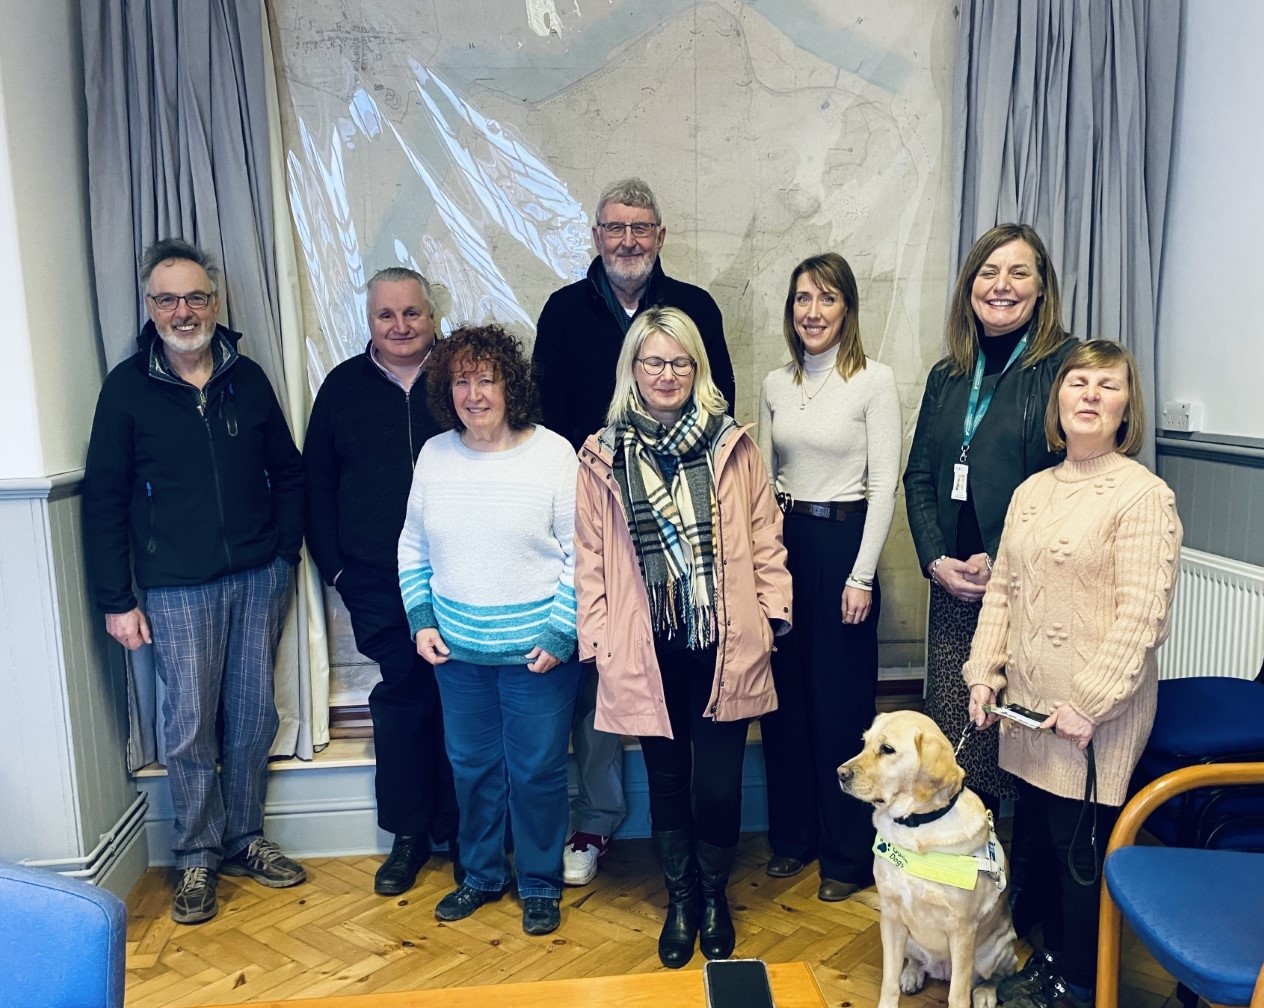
829,429
1077,605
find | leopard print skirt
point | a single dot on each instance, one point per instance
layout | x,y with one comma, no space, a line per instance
949,632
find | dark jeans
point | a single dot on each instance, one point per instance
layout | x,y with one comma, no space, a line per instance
415,795
1068,912
826,674
695,779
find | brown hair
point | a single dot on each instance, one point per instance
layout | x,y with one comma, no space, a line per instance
468,348
1100,354
1046,332
829,271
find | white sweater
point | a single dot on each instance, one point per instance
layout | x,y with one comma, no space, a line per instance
843,444
487,554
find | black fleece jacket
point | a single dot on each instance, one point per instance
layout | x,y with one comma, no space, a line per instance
192,484
577,343
361,445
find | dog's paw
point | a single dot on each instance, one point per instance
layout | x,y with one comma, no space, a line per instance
913,978
984,995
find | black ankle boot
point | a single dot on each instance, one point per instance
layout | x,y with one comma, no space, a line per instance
674,849
716,936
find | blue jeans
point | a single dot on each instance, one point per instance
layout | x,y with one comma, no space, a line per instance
506,730
214,645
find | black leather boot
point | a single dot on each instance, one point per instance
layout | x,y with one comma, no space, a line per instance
716,936
674,849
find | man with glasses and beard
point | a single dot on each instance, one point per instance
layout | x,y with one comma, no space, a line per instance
579,336
194,486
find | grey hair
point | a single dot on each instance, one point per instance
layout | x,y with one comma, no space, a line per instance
177,248
396,274
633,192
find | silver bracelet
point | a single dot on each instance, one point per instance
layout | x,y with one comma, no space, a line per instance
988,560
934,566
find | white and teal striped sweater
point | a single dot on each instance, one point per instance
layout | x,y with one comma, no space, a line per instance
487,554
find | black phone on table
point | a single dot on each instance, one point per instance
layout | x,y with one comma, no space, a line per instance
737,983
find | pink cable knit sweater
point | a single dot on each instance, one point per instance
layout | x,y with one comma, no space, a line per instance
1077,604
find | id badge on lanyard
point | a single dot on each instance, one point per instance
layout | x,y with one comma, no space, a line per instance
975,411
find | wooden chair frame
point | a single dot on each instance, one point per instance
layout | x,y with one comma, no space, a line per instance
1129,824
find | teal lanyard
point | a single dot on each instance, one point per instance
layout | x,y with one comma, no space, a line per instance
976,410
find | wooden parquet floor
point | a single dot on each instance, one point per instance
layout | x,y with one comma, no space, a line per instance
333,936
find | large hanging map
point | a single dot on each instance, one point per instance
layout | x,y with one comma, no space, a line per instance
469,139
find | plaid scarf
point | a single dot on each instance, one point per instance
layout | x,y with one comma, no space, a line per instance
672,527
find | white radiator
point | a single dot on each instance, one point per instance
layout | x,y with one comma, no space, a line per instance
1217,623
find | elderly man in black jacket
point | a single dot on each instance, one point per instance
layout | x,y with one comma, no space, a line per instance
368,423
193,484
577,345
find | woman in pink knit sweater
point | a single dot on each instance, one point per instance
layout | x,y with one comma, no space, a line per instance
1076,607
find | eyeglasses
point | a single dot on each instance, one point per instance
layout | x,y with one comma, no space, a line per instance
616,229
681,366
167,302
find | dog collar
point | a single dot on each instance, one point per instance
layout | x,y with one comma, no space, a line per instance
922,818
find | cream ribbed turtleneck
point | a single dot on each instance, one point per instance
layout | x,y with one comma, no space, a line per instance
841,444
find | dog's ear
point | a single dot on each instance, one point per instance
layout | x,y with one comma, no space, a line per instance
939,777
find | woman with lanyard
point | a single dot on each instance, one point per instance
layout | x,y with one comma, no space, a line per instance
980,433
829,429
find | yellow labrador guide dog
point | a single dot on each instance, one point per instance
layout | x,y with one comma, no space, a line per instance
939,869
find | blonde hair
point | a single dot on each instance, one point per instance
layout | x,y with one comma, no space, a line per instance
1100,354
674,323
961,330
830,272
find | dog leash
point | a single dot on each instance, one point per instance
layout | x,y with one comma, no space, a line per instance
1090,802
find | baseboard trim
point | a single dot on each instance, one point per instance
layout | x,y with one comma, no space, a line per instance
327,808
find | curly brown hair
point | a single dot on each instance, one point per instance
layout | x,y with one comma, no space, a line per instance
468,348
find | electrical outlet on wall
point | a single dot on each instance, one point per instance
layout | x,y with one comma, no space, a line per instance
1184,417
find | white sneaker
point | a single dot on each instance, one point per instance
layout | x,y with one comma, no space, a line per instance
579,857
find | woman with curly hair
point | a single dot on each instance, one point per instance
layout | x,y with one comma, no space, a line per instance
486,568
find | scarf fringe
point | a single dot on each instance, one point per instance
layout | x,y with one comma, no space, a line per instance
672,611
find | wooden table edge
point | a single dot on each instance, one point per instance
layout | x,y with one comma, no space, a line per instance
793,985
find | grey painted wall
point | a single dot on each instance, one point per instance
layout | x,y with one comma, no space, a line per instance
1219,494
63,721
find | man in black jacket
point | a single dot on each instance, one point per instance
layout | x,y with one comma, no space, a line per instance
194,486
577,345
368,423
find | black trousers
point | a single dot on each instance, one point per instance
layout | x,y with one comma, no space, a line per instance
695,779
826,674
413,782
1068,910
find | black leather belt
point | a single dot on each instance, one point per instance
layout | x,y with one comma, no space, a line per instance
834,510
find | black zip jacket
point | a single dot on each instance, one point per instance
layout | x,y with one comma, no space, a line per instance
361,445
189,484
577,343
1008,447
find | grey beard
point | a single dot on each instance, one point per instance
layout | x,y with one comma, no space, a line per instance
193,343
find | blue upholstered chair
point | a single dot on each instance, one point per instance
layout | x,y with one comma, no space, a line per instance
1199,912
1211,719
61,941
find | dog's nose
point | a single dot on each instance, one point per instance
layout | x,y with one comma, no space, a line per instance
845,774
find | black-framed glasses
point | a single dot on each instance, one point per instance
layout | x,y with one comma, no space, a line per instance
681,366
616,229
167,302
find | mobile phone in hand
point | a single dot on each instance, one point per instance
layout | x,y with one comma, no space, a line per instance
1025,717
737,983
